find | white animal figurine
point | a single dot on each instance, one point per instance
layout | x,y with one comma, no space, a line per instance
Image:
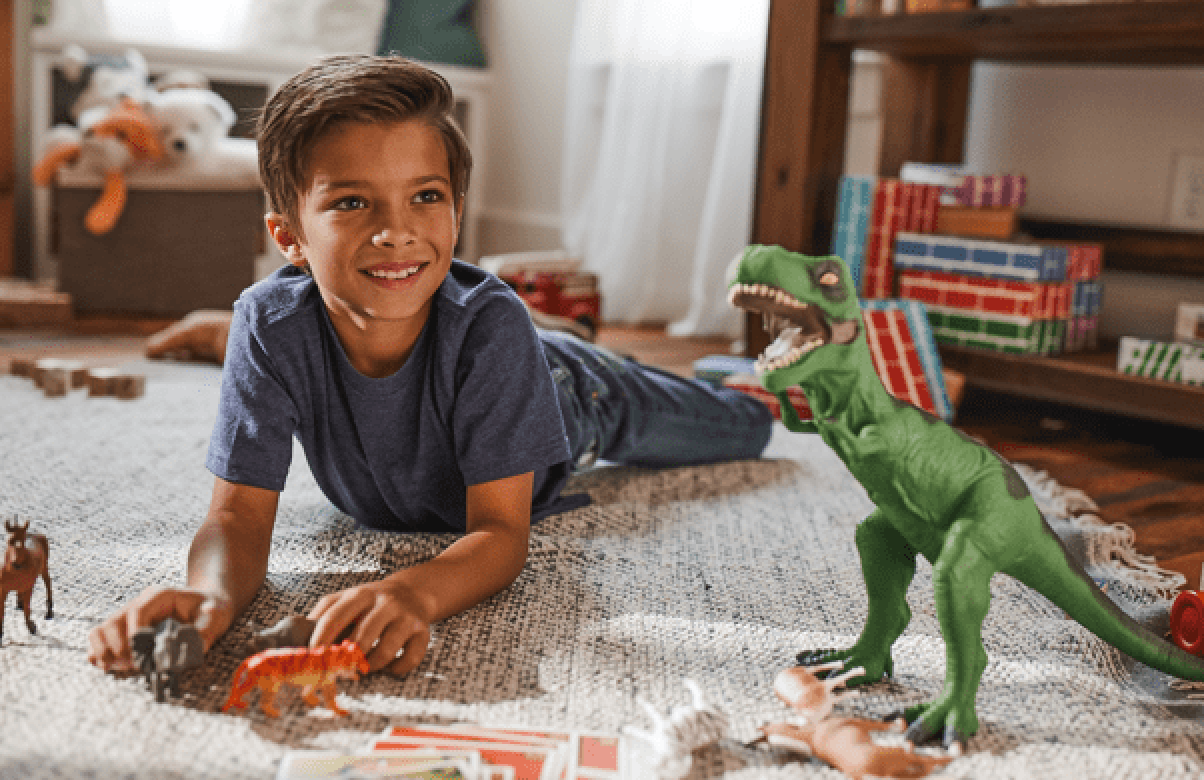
687,728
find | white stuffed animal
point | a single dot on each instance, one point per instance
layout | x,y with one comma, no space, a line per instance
191,123
194,126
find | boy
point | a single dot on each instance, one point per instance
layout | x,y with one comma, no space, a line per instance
423,397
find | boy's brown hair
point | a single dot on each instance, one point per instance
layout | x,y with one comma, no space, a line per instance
351,88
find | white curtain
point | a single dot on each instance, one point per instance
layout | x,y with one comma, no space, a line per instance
663,117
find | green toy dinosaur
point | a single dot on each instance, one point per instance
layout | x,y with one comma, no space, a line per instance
937,493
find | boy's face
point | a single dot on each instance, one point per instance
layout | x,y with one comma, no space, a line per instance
379,223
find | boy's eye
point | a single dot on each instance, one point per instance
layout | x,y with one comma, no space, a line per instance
350,203
429,196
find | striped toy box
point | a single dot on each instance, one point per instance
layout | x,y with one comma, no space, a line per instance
898,206
992,190
1034,300
904,355
997,332
852,222
995,259
1171,361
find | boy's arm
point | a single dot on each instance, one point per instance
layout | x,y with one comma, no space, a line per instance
396,613
227,564
228,559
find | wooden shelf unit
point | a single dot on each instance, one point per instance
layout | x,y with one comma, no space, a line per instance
926,90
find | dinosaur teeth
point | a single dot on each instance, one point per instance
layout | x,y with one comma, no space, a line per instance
779,359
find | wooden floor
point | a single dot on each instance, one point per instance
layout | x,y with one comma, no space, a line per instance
1149,477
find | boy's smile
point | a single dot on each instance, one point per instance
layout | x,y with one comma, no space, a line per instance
378,227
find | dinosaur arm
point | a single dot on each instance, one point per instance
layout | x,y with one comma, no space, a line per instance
791,419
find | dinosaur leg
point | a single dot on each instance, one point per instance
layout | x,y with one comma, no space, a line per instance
888,564
961,581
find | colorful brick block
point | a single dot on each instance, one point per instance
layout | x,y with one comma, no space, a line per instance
877,274
1081,333
898,206
995,259
905,356
1000,333
1170,361
1034,300
992,190
852,222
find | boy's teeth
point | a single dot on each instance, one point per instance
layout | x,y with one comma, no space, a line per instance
393,274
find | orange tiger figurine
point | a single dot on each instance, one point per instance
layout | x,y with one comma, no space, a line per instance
312,669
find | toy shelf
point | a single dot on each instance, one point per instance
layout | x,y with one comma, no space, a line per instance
926,88
1137,33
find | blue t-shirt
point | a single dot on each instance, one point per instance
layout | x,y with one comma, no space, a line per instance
474,402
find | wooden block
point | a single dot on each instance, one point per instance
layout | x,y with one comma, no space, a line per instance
129,386
997,222
22,367
41,367
102,382
55,382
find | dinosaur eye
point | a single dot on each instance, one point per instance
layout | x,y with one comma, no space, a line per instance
829,278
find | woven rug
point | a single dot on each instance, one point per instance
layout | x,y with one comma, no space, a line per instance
719,574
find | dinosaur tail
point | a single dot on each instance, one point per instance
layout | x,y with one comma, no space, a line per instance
1055,574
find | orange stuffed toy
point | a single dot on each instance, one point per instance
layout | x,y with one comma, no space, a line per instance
112,141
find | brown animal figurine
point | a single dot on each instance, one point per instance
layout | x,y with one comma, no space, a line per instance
845,743
25,558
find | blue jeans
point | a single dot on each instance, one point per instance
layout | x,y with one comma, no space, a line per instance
622,411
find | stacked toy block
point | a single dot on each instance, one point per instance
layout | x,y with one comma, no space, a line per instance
995,295
982,206
1084,263
870,213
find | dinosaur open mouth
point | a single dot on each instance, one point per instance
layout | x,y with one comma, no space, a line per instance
795,328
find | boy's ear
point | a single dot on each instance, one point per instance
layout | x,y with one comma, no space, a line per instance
284,237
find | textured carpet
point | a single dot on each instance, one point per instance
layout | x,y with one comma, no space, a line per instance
720,574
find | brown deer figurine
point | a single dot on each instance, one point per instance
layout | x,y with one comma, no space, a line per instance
844,743
25,558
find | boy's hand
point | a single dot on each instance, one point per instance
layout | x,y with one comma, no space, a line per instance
384,618
109,643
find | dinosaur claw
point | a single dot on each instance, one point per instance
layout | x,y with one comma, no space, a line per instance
954,741
919,733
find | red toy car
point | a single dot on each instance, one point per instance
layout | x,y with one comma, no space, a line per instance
571,294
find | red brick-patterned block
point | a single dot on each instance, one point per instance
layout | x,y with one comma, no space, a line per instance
896,358
1034,300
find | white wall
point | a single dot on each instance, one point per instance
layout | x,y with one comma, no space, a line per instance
527,47
1097,145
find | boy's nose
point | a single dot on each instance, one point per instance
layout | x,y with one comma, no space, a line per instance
389,239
